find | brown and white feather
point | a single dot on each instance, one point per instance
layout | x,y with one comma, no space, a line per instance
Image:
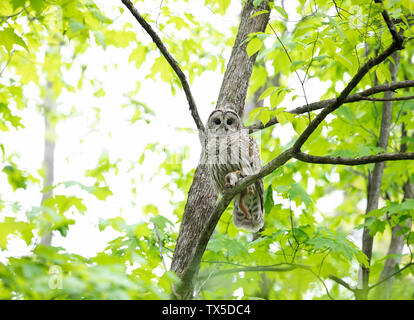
230,148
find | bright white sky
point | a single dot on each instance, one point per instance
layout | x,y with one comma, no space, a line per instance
82,139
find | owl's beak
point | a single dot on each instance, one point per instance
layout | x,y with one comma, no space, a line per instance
224,129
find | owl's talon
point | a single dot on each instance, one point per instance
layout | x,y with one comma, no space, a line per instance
231,179
250,189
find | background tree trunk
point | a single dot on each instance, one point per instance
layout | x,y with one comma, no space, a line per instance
383,291
375,181
49,152
194,234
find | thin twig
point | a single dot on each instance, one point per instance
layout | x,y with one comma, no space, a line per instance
287,267
341,282
14,15
392,275
313,52
293,234
296,72
398,38
160,245
388,99
173,63
354,161
323,283
7,63
197,292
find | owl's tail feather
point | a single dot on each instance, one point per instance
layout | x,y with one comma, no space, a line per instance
251,202
243,208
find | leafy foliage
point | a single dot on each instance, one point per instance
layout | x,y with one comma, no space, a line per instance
303,241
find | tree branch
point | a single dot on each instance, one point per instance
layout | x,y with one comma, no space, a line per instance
354,161
287,267
341,282
398,38
392,275
160,245
173,63
350,99
14,15
388,99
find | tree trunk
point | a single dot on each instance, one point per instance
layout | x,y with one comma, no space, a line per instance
383,291
49,153
375,181
194,231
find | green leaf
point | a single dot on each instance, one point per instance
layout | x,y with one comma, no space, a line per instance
296,192
346,112
162,67
268,199
410,238
297,64
284,117
17,178
100,38
38,5
101,193
8,38
150,208
258,13
161,221
253,46
11,226
344,61
277,97
265,115
179,22
299,123
337,242
300,234
267,92
76,26
281,189
223,5
257,2
383,73
222,242
254,113
281,11
138,55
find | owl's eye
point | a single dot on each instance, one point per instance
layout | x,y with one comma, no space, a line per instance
229,122
217,121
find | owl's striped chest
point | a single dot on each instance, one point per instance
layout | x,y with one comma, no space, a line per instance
225,154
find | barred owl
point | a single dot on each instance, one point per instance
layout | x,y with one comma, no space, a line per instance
232,154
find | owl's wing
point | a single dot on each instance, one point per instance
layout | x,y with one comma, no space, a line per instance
254,202
254,155
260,189
256,165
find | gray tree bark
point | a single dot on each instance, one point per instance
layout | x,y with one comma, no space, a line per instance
49,153
383,291
375,181
194,232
